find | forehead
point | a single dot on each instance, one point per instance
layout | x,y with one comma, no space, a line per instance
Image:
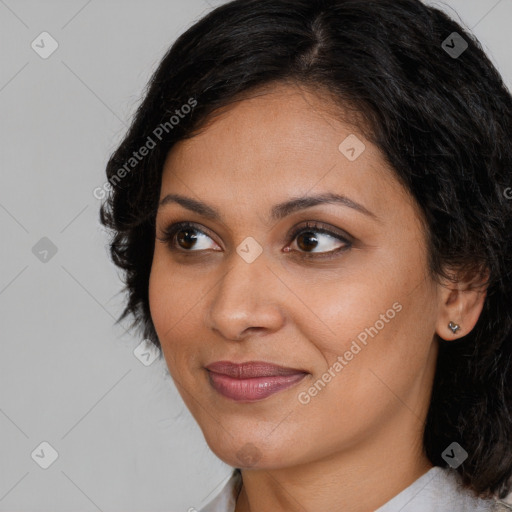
282,124
280,143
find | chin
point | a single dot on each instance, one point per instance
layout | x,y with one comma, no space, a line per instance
252,454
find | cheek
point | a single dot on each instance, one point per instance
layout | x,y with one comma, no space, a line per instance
160,295
379,314
176,300
358,325
381,361
168,300
168,294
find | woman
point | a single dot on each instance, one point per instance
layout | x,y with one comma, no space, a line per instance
311,212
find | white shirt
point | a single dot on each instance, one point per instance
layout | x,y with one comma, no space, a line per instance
438,490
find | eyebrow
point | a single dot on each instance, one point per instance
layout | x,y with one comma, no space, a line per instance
278,211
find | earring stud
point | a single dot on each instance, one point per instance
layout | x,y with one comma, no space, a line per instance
454,327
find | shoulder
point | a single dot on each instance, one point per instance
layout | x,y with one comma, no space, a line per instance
441,490
225,501
501,506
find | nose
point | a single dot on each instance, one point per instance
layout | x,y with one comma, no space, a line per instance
249,298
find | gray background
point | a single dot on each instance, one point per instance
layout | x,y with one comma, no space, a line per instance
68,376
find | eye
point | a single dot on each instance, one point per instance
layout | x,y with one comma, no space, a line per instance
313,238
186,236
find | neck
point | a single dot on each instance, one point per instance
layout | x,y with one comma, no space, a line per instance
360,479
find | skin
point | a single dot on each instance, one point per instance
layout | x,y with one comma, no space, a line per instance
363,430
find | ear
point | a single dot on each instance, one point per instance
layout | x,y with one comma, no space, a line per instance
461,300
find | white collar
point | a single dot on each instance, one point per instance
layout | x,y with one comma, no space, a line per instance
438,490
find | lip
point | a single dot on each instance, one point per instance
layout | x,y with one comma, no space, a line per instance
252,380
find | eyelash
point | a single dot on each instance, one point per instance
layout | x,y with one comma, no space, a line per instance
170,232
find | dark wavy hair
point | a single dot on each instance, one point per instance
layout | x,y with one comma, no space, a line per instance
443,122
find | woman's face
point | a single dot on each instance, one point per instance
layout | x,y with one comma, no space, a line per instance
337,291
